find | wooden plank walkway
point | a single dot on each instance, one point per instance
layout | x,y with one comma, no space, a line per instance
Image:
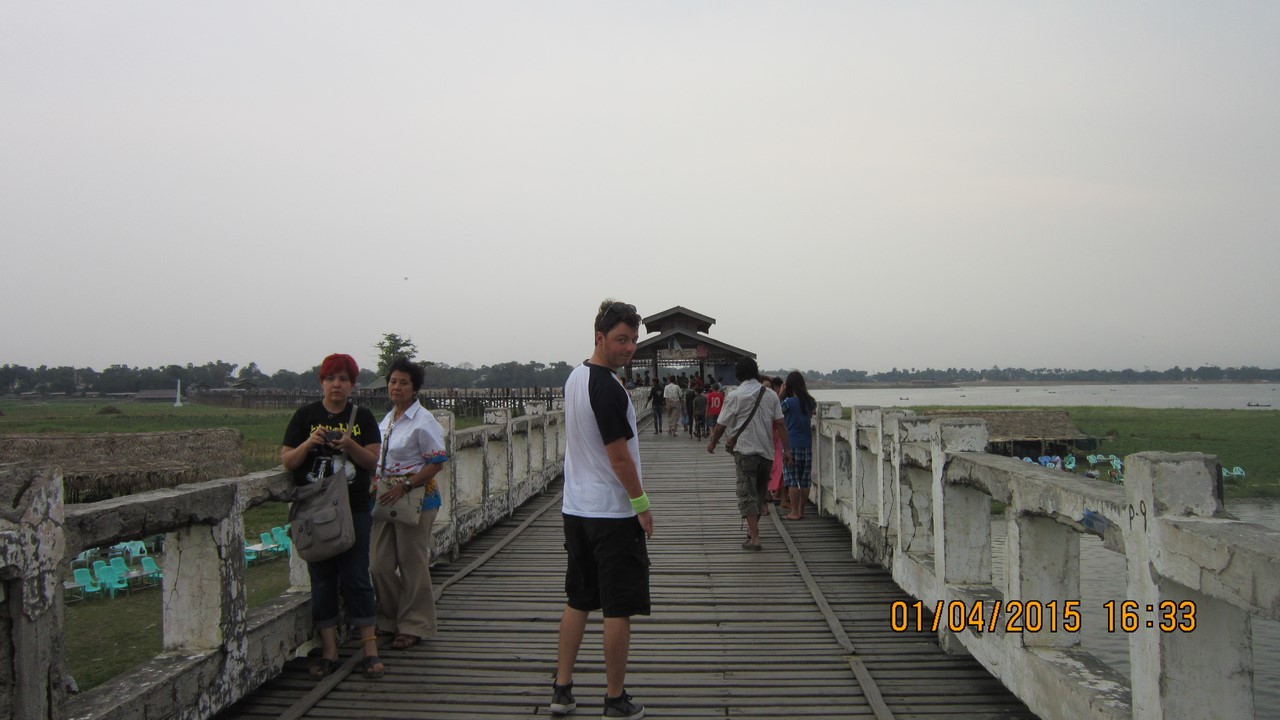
734,634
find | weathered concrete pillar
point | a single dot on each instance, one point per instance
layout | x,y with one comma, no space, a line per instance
1043,567
868,470
204,606
825,454
32,549
498,461
914,480
445,478
1202,673
961,515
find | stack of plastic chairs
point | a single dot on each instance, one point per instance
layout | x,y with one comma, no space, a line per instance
110,581
270,545
282,539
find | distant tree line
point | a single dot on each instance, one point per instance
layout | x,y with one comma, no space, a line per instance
220,374
1204,373
66,380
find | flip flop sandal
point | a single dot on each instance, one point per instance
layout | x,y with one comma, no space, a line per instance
367,667
405,641
322,666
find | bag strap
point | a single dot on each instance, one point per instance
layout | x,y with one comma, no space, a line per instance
750,415
351,425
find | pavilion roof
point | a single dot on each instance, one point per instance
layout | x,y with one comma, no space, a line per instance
658,322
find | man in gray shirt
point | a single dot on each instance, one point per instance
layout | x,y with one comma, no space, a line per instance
753,413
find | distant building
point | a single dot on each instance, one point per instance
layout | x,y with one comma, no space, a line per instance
682,342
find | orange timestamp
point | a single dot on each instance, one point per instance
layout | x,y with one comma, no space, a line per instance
1167,616
1014,616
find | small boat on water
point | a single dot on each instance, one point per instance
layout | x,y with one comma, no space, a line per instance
1254,404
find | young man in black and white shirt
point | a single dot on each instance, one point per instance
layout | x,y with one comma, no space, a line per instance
606,512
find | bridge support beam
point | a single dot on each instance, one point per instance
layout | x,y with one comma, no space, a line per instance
1169,676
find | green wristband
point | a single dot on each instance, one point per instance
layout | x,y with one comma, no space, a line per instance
640,504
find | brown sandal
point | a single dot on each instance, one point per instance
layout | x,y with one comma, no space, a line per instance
368,669
404,641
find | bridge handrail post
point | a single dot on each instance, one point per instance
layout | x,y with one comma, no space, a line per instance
497,471
913,483
961,515
32,549
825,463
1206,672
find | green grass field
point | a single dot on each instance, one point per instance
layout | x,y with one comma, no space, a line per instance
1249,439
105,637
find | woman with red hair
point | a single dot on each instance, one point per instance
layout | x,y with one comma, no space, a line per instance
317,434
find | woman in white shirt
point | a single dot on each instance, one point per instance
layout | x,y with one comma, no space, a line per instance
414,452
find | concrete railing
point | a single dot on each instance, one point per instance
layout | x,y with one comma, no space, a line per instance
215,650
916,493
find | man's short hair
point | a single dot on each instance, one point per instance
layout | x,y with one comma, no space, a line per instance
612,312
746,369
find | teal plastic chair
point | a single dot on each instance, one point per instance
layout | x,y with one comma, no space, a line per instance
136,549
250,556
84,579
120,566
1237,471
269,544
1069,462
150,571
111,582
282,539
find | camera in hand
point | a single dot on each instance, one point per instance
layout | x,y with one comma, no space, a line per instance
333,436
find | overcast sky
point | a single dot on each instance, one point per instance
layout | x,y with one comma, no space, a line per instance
838,184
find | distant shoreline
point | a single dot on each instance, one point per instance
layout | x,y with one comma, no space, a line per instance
824,385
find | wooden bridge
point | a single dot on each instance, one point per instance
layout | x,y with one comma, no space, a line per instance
799,630
802,629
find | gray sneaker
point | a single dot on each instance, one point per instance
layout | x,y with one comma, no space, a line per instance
622,708
562,702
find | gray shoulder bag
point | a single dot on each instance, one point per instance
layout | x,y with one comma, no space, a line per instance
320,522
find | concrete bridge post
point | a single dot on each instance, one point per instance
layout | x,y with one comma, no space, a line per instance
498,470
914,482
961,515
32,549
833,459
1206,672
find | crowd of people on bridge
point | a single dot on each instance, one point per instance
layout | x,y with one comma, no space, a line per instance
383,579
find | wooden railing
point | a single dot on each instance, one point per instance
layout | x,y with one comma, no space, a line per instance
215,650
916,493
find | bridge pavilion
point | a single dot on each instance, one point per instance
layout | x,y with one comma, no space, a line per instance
682,342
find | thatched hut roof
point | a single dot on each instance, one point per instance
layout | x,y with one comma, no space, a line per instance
101,465
1010,425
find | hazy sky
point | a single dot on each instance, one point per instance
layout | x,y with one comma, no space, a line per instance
839,184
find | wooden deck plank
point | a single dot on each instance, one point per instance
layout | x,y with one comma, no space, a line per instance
733,633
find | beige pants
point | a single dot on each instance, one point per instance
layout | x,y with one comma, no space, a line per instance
398,562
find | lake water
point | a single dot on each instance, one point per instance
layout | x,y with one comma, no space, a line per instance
1174,395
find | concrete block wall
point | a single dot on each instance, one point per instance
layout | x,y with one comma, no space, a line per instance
922,489
215,650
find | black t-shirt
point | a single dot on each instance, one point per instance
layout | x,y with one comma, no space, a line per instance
307,419
655,396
